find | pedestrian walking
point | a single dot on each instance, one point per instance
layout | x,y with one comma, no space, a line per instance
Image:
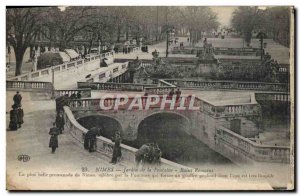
117,154
13,123
60,122
17,99
20,114
90,139
53,143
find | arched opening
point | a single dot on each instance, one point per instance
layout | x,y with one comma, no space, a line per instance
171,132
107,124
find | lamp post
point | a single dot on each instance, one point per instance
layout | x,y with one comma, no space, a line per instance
53,89
261,36
167,49
99,51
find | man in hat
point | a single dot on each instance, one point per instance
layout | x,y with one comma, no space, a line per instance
53,143
60,122
17,99
13,123
90,139
117,147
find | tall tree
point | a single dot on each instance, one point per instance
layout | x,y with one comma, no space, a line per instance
67,23
277,24
198,20
244,20
22,25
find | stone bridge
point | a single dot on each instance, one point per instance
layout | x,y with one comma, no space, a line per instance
213,123
224,128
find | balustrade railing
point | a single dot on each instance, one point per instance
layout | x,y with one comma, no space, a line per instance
284,97
205,107
113,86
109,103
206,85
227,141
57,68
85,93
29,85
222,111
160,90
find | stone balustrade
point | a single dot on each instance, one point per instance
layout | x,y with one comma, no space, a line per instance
284,68
235,146
104,145
237,51
114,71
215,111
159,90
29,85
113,86
94,104
85,93
283,97
58,68
229,110
231,85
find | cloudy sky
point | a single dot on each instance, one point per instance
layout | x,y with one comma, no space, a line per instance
224,14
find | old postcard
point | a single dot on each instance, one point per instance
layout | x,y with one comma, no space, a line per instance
150,98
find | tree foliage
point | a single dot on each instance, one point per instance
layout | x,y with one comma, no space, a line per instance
22,26
244,20
104,24
273,21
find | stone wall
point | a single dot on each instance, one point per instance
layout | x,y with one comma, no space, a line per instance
104,145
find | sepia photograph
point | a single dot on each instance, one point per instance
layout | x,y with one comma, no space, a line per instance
150,98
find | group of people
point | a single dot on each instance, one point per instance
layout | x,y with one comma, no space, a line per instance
90,143
59,124
148,154
58,127
64,100
90,139
16,113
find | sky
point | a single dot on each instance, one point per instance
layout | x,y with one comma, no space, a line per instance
224,14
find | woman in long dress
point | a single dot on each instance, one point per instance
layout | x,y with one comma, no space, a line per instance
53,143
